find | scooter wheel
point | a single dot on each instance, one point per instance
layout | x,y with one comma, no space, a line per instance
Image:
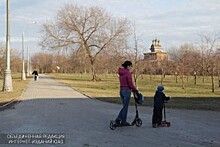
168,124
112,125
138,122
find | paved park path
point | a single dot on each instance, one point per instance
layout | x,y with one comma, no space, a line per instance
50,107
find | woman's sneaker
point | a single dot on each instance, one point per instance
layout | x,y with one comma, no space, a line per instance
126,124
118,122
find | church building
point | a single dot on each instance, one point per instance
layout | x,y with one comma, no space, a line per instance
156,53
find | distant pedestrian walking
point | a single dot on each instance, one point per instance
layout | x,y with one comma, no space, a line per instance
35,75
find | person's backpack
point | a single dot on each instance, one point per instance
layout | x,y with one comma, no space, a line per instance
138,97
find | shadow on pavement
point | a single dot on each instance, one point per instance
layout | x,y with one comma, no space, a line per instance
85,122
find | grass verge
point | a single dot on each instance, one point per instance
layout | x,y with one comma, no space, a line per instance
197,97
18,88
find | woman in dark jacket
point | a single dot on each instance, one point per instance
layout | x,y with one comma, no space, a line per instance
159,99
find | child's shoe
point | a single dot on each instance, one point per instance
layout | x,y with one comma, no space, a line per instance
154,125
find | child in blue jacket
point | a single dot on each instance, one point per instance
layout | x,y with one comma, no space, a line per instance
159,99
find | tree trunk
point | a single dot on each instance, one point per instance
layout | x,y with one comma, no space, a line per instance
175,76
135,79
162,77
218,80
183,82
94,78
203,77
136,85
194,79
218,83
84,70
213,85
93,71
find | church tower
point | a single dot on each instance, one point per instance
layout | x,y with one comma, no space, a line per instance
156,53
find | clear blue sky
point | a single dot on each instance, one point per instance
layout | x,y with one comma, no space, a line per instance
172,21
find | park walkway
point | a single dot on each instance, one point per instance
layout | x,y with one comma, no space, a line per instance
50,107
46,87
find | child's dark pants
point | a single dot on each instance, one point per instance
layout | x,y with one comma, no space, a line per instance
157,115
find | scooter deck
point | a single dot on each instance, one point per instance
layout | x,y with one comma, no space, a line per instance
114,125
118,125
163,124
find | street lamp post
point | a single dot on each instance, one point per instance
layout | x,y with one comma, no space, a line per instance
28,71
23,75
28,63
7,82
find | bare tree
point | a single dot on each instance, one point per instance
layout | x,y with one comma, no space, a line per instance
15,60
183,61
2,59
135,71
176,56
210,44
42,62
217,63
164,67
79,62
90,29
139,63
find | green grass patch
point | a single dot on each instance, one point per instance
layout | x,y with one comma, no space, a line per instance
211,104
197,96
18,87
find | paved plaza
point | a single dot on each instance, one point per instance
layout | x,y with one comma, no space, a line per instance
48,106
